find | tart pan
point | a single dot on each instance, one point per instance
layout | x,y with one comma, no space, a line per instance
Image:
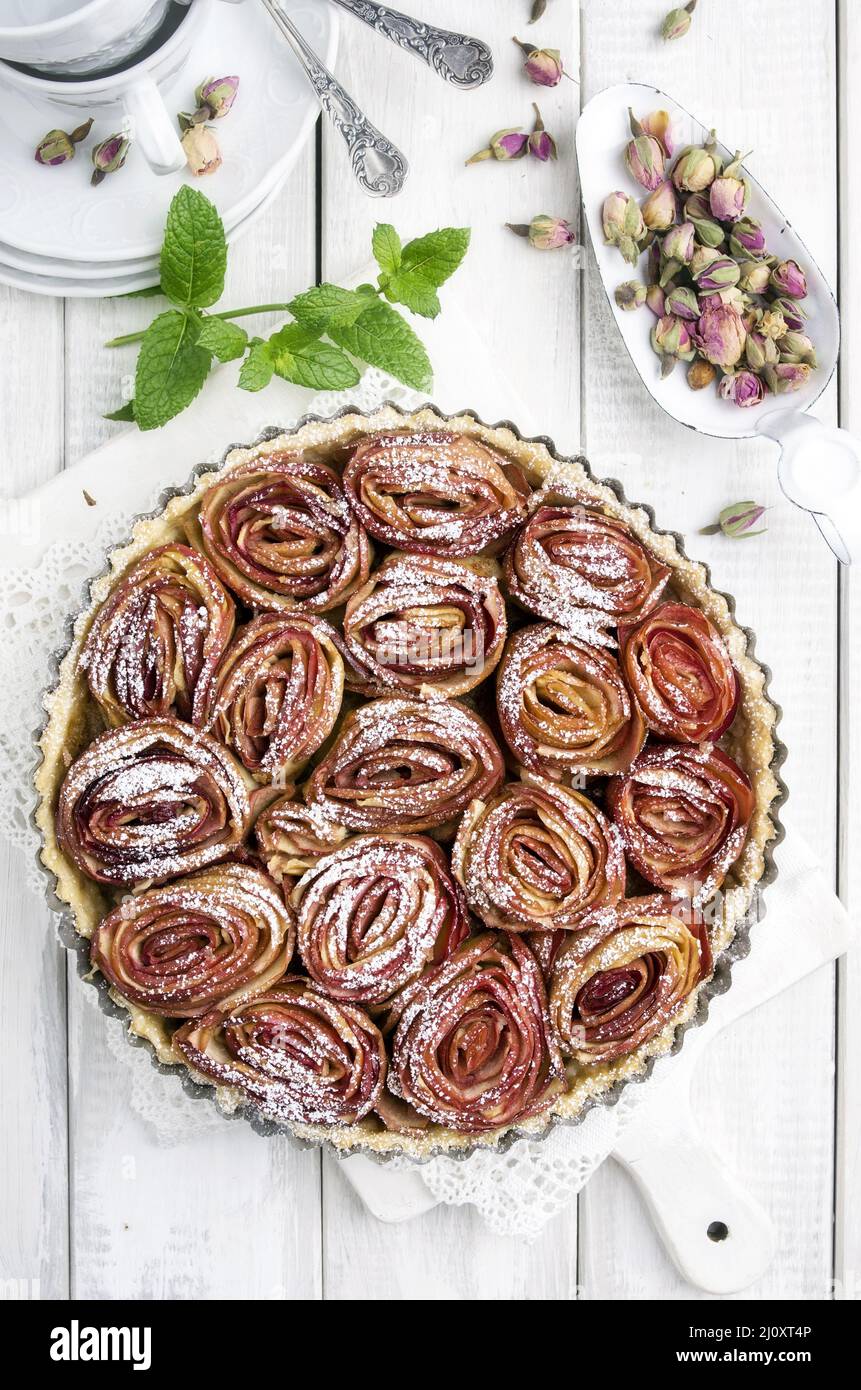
352,1139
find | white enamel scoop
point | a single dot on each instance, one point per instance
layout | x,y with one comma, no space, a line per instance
819,467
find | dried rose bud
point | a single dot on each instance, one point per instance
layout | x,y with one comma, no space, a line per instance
659,209
658,125
645,160
545,233
505,144
543,65
697,167
679,244
747,239
721,274
793,314
703,257
720,335
789,279
772,324
743,388
787,377
740,520
656,301
682,302
671,338
760,351
797,347
217,95
57,146
698,211
754,277
630,295
108,156
678,22
201,149
623,225
700,374
541,144
728,198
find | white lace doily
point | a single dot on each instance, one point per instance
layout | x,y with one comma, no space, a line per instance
516,1192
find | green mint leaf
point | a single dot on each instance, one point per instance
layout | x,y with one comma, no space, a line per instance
381,337
194,251
387,248
225,340
257,369
325,306
300,357
426,264
122,412
171,368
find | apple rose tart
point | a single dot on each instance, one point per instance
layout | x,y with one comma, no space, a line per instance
277,693
152,800
575,564
292,837
406,765
473,1048
155,642
372,915
435,494
281,535
680,673
436,627
298,1056
620,980
180,949
564,706
683,813
537,856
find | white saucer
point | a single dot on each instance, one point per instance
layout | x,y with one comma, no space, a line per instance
54,216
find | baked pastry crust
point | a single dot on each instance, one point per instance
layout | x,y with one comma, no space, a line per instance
73,721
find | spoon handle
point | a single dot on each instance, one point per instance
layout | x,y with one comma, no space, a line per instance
461,60
378,166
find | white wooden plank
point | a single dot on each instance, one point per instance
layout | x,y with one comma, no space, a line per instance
33,1171
225,1215
765,1094
848,1215
524,303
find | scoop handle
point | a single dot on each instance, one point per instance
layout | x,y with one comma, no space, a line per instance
820,471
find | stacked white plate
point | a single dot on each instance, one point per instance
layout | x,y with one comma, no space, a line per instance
61,236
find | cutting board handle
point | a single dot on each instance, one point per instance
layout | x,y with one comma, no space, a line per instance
719,1237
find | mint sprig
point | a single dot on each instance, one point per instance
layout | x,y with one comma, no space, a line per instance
331,332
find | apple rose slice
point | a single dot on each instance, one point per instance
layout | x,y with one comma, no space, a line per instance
537,856
152,800
578,566
372,915
406,765
180,949
425,625
293,837
155,642
277,693
621,979
563,705
297,1056
680,673
281,534
435,493
683,813
473,1049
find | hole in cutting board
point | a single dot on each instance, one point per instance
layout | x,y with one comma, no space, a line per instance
717,1231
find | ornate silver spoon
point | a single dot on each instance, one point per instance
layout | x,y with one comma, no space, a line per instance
378,165
461,60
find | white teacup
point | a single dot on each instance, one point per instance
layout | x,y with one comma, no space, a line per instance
68,37
130,98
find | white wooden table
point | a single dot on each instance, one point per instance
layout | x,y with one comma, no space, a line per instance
91,1207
